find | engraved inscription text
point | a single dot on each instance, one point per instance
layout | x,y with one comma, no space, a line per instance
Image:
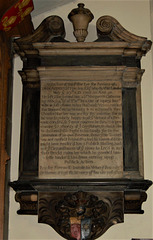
81,129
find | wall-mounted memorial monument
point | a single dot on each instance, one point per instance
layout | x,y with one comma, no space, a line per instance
81,158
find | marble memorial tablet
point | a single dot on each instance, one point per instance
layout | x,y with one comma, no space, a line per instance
81,129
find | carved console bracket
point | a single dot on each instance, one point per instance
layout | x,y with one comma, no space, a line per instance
81,215
88,213
134,192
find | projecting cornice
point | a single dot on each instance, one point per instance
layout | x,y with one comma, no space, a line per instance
113,39
50,27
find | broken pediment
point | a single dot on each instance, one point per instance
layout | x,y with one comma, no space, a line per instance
81,147
108,30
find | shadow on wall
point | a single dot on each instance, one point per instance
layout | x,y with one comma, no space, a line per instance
47,5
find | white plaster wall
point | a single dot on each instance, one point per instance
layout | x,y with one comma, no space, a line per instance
134,15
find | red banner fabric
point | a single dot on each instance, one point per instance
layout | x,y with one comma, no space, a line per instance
16,14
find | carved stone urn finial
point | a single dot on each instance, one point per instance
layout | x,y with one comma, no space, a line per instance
80,18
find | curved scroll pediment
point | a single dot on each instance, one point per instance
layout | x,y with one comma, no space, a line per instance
108,29
109,26
81,158
50,27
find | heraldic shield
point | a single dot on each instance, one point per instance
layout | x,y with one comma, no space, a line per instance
80,228
81,215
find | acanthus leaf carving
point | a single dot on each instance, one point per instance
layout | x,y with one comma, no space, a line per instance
103,209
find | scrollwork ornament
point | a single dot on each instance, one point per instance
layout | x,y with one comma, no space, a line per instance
100,211
56,26
104,25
